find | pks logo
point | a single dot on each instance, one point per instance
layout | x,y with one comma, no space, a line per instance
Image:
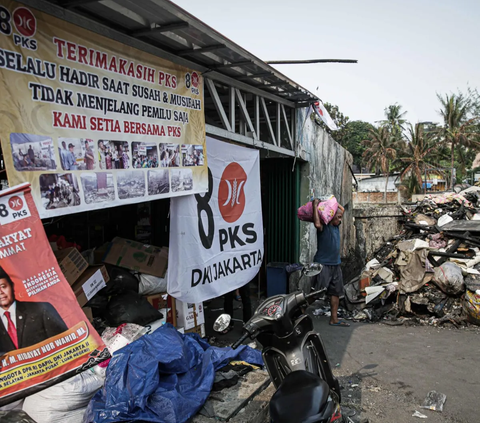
13,208
192,81
231,192
15,203
25,22
195,79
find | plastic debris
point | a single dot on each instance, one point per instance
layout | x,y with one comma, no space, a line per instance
419,415
434,401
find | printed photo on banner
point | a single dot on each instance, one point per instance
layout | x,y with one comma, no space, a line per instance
32,152
144,155
59,190
76,153
113,155
131,184
158,182
98,187
126,109
170,155
182,180
192,155
25,323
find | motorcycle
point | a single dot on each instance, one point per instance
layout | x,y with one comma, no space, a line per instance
294,356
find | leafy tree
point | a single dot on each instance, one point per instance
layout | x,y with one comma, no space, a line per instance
337,116
394,120
412,185
350,134
351,137
460,125
381,150
416,154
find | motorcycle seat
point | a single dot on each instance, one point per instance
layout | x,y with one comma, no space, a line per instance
300,397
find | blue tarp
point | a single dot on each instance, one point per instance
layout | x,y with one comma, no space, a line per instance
162,377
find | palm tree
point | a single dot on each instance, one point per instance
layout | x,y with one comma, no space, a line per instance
394,119
419,149
460,127
381,150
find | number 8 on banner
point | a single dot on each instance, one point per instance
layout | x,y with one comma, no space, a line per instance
12,208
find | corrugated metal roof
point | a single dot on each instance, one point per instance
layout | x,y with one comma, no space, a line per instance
167,26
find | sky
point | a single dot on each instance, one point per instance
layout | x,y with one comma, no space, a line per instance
407,51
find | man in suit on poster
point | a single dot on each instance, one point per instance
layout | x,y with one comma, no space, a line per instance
25,323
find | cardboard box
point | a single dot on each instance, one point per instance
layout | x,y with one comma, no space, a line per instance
200,329
185,316
71,263
91,281
164,302
136,256
100,252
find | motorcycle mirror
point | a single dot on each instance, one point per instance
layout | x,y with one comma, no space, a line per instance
222,323
313,269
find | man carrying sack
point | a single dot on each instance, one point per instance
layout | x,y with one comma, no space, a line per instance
328,254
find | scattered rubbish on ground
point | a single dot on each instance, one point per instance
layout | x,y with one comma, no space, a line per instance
429,273
434,401
419,415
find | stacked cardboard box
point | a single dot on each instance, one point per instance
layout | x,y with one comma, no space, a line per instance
85,280
136,256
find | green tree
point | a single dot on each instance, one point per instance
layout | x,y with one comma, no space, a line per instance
350,134
381,150
416,155
337,116
460,125
351,137
394,120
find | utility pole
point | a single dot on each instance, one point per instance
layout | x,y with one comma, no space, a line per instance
306,62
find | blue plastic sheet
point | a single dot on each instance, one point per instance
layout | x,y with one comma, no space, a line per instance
162,377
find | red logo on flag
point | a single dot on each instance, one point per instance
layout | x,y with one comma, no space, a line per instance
231,192
195,79
317,106
25,22
15,203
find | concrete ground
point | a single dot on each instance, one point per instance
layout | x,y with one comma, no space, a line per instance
395,367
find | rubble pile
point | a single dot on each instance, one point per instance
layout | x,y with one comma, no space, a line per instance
430,272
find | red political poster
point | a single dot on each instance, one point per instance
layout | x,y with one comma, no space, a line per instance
44,335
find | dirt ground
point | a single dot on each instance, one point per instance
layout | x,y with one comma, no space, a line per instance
395,368
387,371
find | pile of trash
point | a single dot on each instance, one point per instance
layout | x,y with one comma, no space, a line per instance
430,272
156,373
